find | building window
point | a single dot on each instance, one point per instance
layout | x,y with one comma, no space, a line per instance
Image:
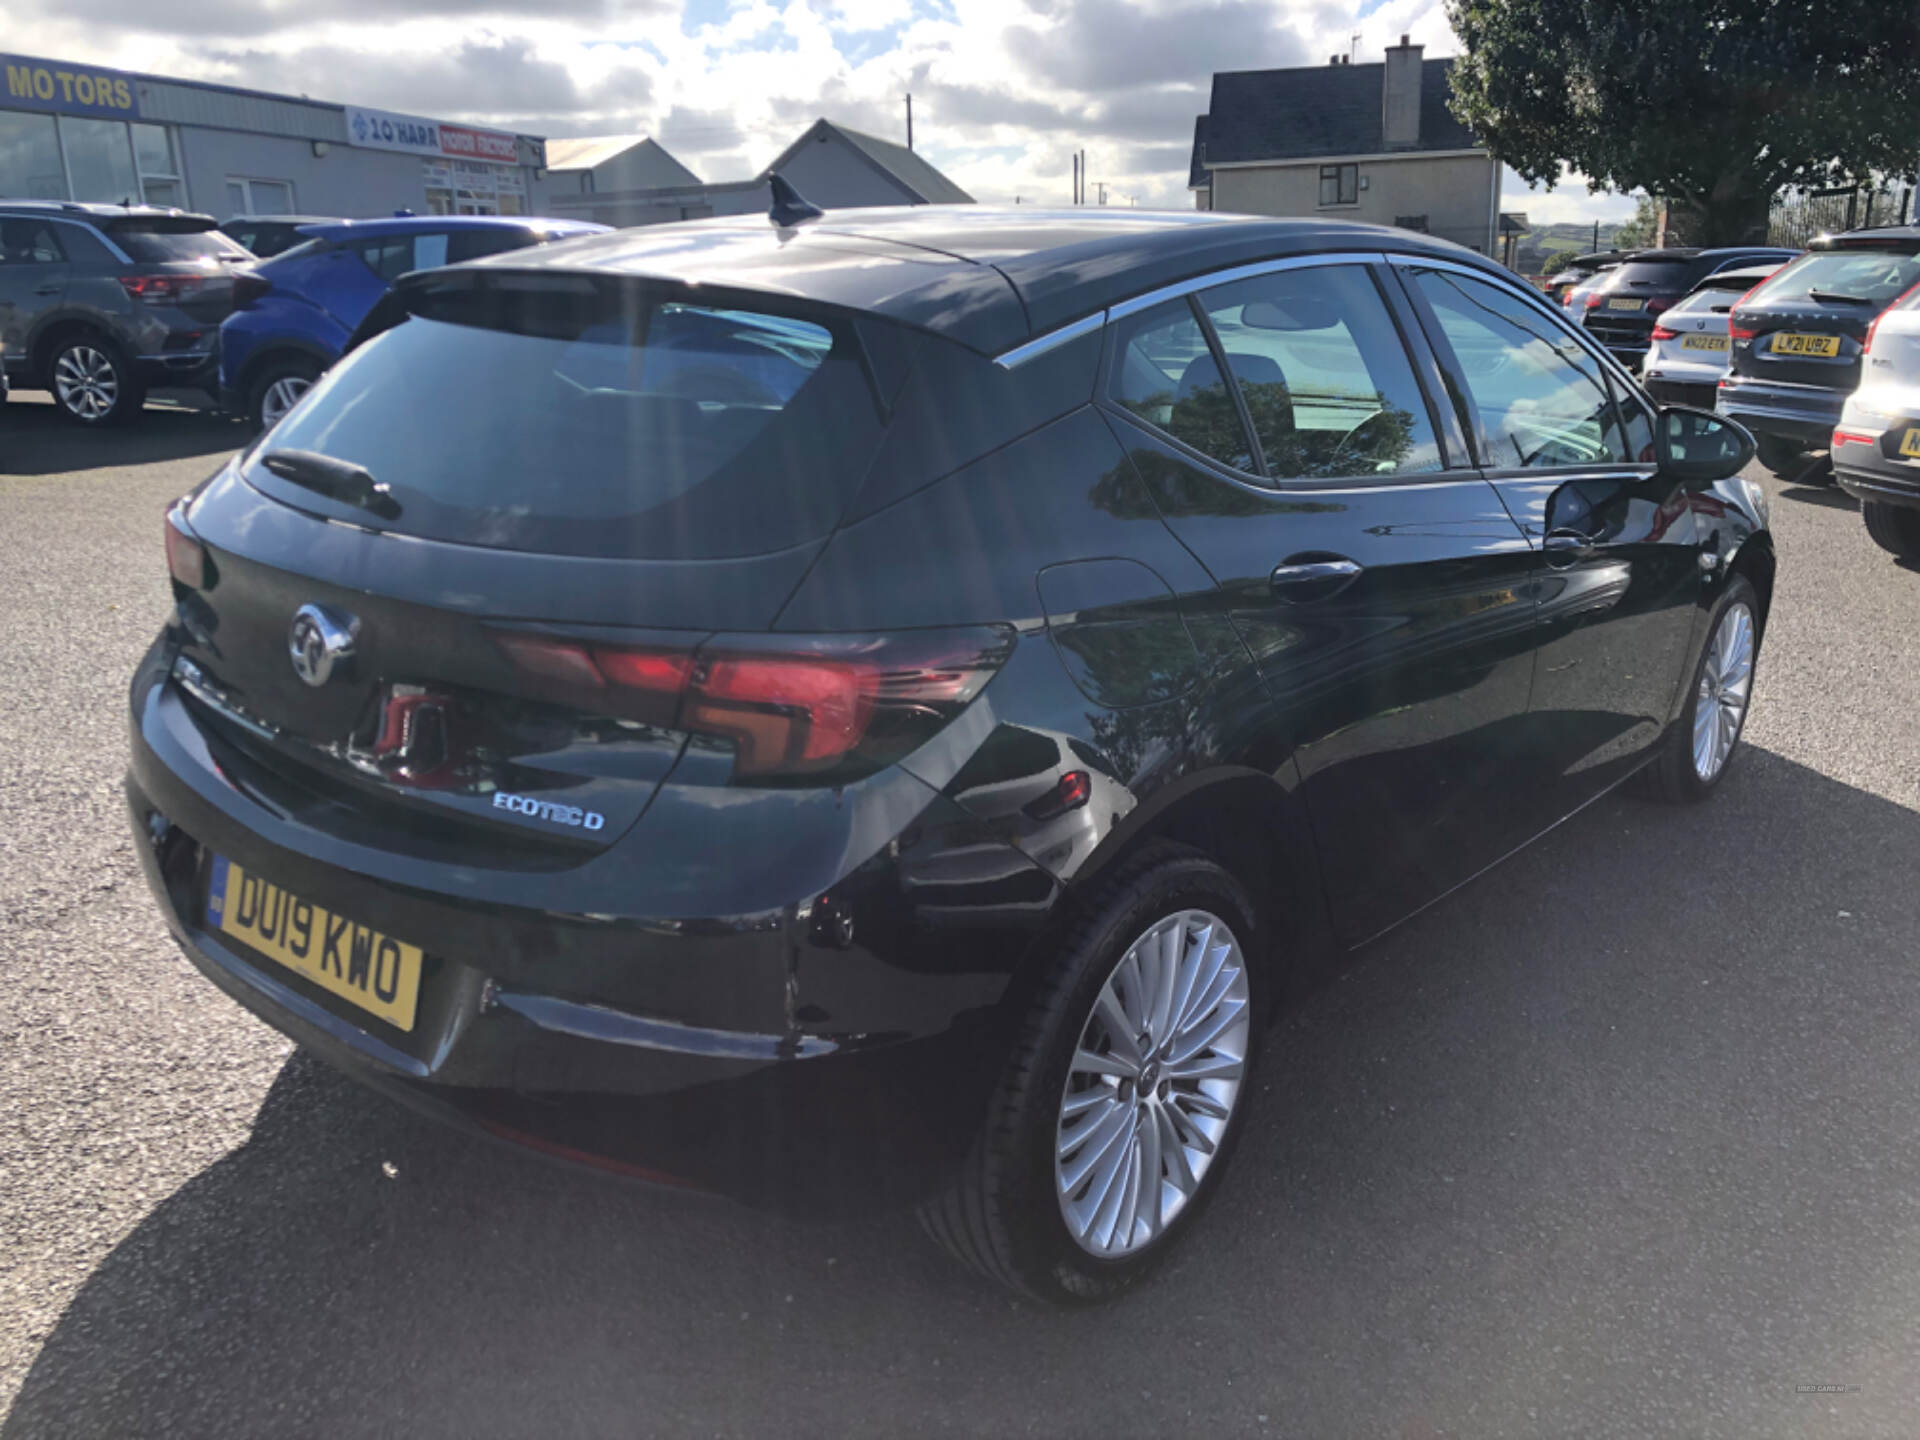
159,165
72,157
99,160
1339,184
249,196
1415,223
30,165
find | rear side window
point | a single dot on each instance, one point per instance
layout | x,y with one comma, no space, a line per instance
28,242
579,417
1541,396
472,244
391,256
1870,277
157,247
1324,374
1166,375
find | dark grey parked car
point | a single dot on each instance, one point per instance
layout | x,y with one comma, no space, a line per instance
98,303
270,235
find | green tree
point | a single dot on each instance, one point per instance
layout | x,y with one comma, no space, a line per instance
1638,232
1717,104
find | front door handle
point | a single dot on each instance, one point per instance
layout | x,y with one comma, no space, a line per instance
1300,581
1564,547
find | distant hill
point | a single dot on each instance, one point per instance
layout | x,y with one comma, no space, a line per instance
1529,256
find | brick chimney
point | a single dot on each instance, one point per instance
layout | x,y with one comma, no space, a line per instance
1400,95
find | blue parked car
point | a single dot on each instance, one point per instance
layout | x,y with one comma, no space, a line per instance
293,314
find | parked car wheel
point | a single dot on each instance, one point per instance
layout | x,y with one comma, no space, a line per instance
1699,748
1118,1111
93,382
1782,457
278,388
1894,528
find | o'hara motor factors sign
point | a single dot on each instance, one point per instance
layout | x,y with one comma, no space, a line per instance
384,130
67,89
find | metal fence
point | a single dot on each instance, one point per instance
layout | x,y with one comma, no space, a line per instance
1797,218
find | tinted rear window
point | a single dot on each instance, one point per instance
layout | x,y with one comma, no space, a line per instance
597,423
1876,277
155,247
1655,274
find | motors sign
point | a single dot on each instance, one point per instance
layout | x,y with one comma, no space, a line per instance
384,130
30,84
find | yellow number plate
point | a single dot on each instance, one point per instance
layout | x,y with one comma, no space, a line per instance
1704,342
1625,304
376,972
1910,443
1826,346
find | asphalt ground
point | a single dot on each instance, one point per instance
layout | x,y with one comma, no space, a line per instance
1622,1140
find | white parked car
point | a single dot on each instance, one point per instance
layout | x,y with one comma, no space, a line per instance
1876,445
1689,350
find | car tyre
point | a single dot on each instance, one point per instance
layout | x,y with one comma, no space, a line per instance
1700,747
93,382
1011,1211
277,387
1894,528
1781,457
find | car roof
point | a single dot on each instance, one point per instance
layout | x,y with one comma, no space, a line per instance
990,277
1905,238
342,230
1741,276
281,220
79,210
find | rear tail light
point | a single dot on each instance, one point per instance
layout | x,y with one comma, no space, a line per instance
1854,437
1661,332
249,286
186,557
1593,301
819,706
161,289
1735,330
1654,307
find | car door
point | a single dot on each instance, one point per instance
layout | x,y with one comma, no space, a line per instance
1568,445
1383,594
34,271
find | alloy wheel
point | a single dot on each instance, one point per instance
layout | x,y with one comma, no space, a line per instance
281,397
1726,682
1152,1085
84,381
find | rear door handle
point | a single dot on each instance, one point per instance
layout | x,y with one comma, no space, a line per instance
1301,581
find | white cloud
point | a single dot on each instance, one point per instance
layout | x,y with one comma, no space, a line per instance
1004,90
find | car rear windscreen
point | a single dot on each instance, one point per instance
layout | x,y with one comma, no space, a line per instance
153,247
592,422
1656,274
1869,277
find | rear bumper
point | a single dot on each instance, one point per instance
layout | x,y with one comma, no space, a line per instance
1867,475
1698,393
806,1119
1805,414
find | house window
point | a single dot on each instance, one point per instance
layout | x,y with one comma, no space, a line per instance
248,196
1339,184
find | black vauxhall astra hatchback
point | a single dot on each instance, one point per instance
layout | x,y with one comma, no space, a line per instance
882,708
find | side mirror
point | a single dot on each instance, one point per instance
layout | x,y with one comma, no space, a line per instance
1700,445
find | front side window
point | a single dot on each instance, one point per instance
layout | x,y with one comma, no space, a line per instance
1541,396
1339,184
1165,374
1324,374
392,256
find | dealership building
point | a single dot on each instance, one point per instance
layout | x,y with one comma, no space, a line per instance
84,132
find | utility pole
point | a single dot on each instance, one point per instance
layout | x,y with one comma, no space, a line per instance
909,120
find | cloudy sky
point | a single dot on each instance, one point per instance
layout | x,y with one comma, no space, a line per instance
1004,91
